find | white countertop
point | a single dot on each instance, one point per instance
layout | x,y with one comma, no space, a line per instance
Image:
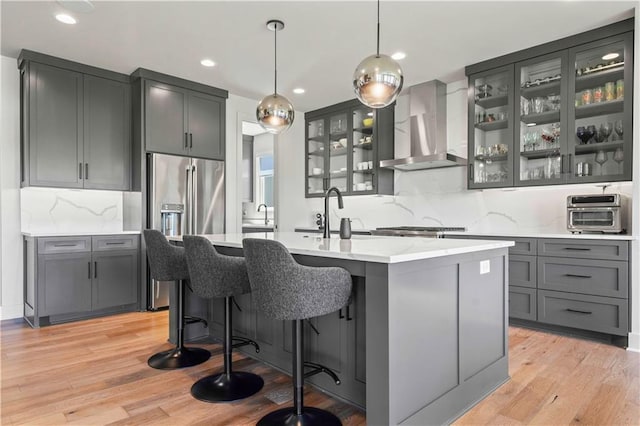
567,235
76,234
367,248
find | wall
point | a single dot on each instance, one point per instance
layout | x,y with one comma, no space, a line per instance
11,239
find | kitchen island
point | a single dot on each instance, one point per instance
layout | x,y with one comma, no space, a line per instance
425,337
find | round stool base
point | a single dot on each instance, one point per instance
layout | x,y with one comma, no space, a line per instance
178,358
310,417
220,387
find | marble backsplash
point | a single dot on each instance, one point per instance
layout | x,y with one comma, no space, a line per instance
439,198
70,210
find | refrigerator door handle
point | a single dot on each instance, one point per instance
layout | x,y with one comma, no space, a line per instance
187,207
194,199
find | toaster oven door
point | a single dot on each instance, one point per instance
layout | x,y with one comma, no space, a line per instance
593,219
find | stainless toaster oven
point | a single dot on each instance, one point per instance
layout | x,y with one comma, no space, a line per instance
604,213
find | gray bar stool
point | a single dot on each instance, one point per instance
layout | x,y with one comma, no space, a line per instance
167,263
285,290
216,275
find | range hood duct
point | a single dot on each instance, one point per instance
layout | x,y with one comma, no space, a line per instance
427,128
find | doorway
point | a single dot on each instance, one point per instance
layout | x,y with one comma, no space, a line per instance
257,177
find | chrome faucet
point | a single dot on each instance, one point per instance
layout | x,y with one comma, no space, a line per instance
327,231
266,219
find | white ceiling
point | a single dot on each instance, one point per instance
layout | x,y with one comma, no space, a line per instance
318,50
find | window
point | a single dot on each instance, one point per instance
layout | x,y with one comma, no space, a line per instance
264,184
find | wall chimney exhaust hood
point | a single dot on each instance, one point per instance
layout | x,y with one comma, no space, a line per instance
421,124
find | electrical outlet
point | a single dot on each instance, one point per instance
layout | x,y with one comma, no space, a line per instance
485,267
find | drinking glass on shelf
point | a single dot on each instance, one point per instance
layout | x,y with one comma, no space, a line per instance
582,134
601,158
618,157
606,129
591,130
619,128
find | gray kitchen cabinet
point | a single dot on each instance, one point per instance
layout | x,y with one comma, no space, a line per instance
64,283
72,278
522,303
344,146
76,125
547,115
182,121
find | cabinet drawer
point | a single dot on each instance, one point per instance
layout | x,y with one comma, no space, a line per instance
595,313
585,249
53,245
115,242
596,277
522,303
522,271
523,246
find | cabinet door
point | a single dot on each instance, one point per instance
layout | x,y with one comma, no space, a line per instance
115,279
601,82
107,134
316,152
338,159
64,283
541,135
206,126
363,164
166,119
491,129
55,127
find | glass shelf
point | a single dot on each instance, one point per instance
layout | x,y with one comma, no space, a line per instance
492,125
552,88
599,78
595,147
542,118
493,101
600,108
540,153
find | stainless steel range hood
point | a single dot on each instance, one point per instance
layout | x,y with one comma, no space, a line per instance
421,123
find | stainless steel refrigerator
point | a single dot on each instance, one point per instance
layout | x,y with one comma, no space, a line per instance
185,196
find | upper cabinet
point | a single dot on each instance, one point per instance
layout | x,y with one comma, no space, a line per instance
554,114
75,125
344,145
182,117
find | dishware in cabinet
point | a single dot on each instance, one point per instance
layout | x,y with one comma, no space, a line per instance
316,151
540,134
600,104
337,160
362,165
491,96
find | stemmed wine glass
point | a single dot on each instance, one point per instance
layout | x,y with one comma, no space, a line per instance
618,127
618,157
591,130
601,158
606,129
582,134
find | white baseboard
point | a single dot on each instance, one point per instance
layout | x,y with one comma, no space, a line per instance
11,312
634,342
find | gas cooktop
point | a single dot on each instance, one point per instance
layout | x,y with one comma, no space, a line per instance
417,231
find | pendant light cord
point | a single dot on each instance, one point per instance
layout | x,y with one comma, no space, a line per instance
378,34
275,59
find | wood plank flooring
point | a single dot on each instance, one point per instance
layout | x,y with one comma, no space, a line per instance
95,372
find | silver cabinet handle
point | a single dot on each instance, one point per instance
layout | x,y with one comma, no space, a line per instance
186,141
89,270
577,248
80,171
471,172
64,245
86,170
190,140
118,243
577,276
95,269
577,311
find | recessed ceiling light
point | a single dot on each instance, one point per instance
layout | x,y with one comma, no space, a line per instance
531,124
399,55
207,63
609,56
65,19
298,90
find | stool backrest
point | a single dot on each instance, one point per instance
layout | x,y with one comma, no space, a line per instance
213,274
284,289
166,261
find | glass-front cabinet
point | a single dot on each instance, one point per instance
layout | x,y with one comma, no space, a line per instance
491,136
600,106
556,118
541,128
344,145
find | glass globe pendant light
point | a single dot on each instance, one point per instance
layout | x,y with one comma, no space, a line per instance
378,79
275,113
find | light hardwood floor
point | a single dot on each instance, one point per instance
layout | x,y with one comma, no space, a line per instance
95,372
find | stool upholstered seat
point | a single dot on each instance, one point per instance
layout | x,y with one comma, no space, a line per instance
283,289
214,275
167,263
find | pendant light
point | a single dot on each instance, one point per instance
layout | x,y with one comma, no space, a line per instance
275,112
378,79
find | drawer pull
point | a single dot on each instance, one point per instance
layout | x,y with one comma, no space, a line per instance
65,245
577,276
577,248
576,311
119,243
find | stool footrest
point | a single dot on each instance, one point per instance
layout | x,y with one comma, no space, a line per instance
188,319
241,341
318,368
